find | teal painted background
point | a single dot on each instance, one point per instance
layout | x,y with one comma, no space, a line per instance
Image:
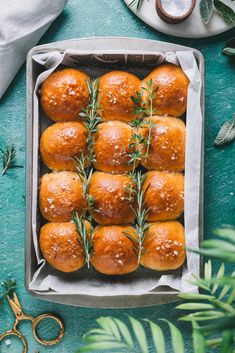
84,18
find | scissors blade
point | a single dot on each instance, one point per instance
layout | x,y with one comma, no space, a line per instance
14,304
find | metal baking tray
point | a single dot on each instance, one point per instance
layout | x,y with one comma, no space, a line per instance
93,45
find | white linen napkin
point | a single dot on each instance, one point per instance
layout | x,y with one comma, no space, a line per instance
22,24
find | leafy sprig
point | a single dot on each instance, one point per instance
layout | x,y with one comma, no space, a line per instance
140,212
85,233
84,171
113,333
7,286
141,111
8,155
90,116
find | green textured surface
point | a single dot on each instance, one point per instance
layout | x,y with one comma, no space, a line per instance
99,18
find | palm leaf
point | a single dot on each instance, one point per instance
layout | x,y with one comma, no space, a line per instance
158,337
176,338
199,342
140,334
123,329
227,342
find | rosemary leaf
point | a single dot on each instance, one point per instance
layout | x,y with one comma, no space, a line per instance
226,133
8,158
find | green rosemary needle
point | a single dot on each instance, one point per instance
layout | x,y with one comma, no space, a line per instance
84,235
140,212
91,117
8,158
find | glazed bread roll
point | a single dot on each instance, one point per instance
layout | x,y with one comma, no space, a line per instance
60,142
111,143
60,246
163,195
115,92
164,247
171,90
113,198
60,194
64,94
167,144
113,252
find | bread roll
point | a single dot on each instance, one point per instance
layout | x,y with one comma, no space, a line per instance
113,252
171,90
163,195
164,247
60,246
114,198
112,147
60,194
167,144
64,94
60,142
116,89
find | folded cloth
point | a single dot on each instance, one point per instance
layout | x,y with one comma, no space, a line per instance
22,24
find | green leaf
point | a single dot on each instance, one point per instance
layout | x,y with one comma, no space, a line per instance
224,256
98,338
225,11
229,48
226,233
227,342
100,346
158,337
103,322
208,269
219,244
194,306
203,316
199,342
113,328
176,338
220,274
140,334
195,296
125,332
206,10
226,133
221,324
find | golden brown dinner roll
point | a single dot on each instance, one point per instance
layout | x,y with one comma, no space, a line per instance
164,247
64,93
113,198
60,194
115,92
112,147
60,142
113,252
171,85
163,195
60,246
167,145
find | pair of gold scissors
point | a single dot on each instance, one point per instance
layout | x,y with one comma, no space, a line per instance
20,315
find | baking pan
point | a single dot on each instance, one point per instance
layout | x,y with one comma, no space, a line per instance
92,45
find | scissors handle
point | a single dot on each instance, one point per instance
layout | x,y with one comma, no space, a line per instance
16,333
42,317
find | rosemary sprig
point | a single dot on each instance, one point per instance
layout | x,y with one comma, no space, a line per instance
84,171
85,237
142,111
91,117
137,3
140,212
8,285
8,158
